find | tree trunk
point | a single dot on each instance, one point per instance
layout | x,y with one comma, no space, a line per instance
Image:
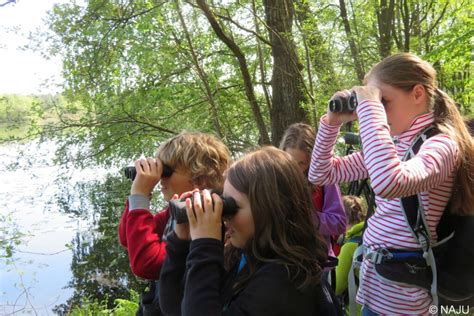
287,81
352,45
397,26
385,14
406,26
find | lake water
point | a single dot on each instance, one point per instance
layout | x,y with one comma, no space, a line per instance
33,280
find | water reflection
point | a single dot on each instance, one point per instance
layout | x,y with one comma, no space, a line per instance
99,264
35,231
58,233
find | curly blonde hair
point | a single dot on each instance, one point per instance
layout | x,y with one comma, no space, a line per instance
204,155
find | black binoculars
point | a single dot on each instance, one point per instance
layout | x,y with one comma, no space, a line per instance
343,104
177,208
131,172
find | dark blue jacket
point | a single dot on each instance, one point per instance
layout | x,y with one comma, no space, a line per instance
208,288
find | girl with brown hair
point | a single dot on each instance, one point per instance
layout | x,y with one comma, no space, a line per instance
279,269
400,99
298,141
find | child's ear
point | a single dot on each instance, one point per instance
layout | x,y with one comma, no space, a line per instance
200,183
419,93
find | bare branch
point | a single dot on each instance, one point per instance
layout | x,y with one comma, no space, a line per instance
9,1
201,73
436,23
264,139
229,19
261,61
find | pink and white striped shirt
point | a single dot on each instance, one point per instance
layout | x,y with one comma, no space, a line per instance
430,172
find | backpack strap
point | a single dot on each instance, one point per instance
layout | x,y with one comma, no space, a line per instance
352,279
416,219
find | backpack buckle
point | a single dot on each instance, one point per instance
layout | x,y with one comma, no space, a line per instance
377,256
422,238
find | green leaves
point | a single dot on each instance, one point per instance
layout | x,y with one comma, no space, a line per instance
131,81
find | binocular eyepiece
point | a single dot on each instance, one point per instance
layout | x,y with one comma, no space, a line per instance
131,172
177,208
343,104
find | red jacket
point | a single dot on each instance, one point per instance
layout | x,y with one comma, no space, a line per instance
141,234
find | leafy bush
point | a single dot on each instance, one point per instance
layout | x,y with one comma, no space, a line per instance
123,307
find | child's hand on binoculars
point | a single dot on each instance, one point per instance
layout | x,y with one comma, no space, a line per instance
182,230
369,92
149,172
339,118
205,216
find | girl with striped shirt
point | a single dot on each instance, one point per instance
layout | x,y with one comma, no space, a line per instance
400,99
